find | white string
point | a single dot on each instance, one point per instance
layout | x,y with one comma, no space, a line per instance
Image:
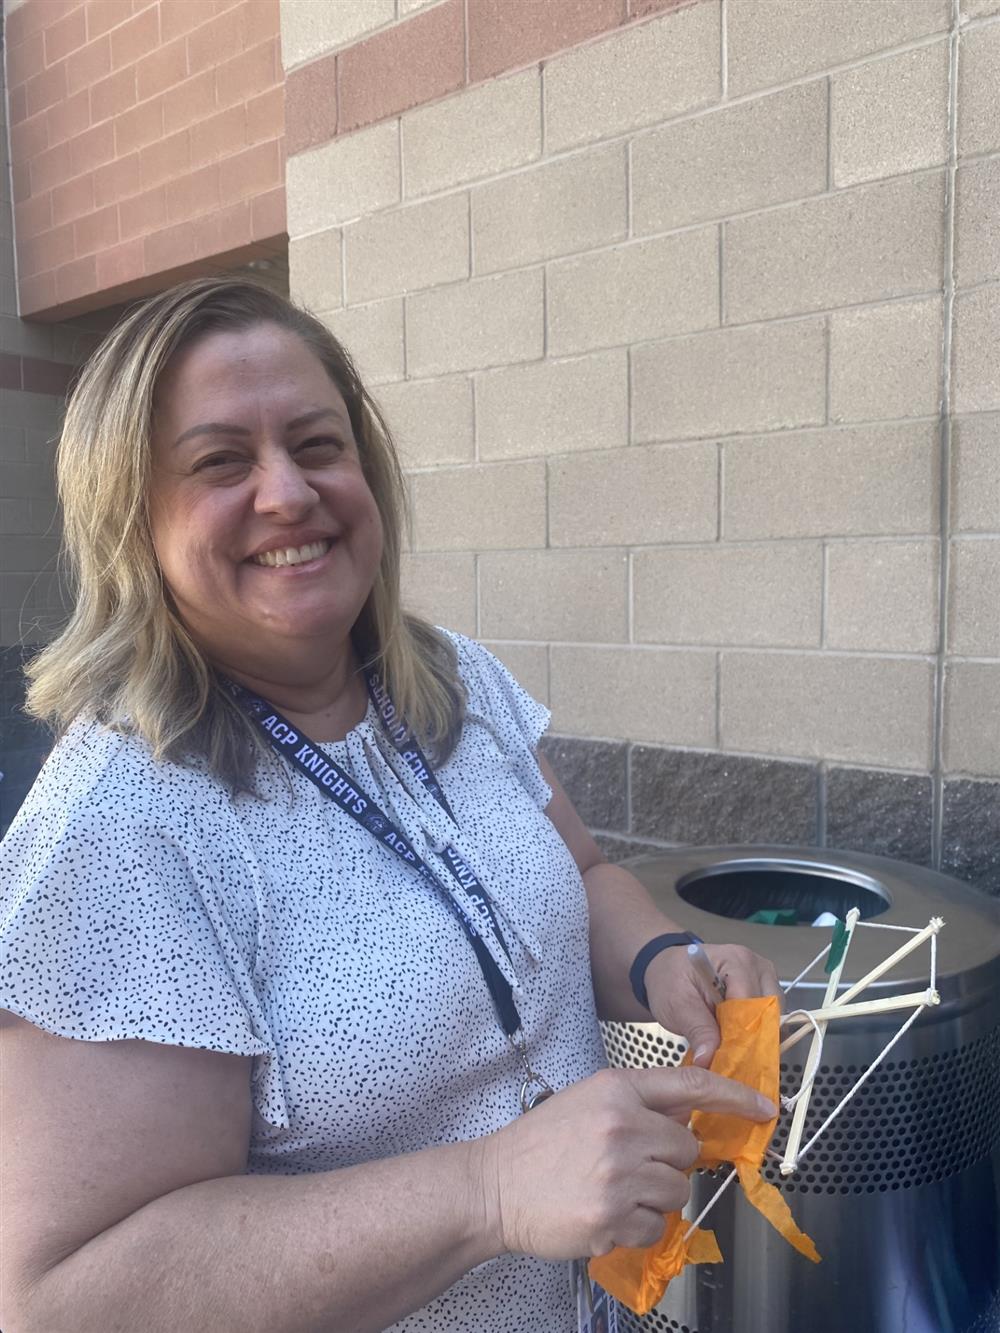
887,925
809,1075
863,1079
711,1203
809,967
933,977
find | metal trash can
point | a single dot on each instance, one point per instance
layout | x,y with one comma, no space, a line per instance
902,1193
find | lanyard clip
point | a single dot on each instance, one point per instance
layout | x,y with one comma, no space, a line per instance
534,1089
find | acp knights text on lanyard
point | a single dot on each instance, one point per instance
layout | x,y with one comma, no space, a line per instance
343,789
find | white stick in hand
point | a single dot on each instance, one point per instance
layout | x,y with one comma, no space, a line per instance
933,927
788,1162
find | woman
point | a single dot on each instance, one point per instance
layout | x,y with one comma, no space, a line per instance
317,962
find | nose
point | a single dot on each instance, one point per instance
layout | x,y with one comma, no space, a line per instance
282,487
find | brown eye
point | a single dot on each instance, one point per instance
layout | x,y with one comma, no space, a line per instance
320,446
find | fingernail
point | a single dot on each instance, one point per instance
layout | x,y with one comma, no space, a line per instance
701,1053
766,1107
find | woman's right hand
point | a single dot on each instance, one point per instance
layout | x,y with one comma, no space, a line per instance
599,1164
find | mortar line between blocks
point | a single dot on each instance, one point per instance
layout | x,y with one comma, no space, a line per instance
723,49
944,570
821,798
824,594
718,700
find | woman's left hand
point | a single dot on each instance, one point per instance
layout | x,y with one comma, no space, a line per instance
682,1001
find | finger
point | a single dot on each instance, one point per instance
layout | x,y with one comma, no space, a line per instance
670,1091
643,1227
693,1015
746,973
665,1139
662,1188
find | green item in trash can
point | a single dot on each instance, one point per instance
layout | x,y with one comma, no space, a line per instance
775,916
840,938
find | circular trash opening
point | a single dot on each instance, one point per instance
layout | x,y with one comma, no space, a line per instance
782,893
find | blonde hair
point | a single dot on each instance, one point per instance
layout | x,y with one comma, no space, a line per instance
125,658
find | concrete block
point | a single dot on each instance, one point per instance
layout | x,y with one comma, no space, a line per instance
977,236
12,449
315,277
774,41
26,481
473,325
832,251
883,596
865,481
17,335
405,249
554,595
556,208
311,28
975,350
885,361
40,411
866,710
430,420
978,117
727,161
441,587
28,554
766,378
347,178
631,497
618,84
665,696
975,474
979,9
31,591
552,407
373,334
730,595
974,615
971,718
890,116
528,663
647,289
478,132
33,517
498,507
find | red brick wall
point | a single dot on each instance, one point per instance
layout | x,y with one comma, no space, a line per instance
433,52
147,139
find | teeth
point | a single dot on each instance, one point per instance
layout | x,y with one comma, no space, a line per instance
292,555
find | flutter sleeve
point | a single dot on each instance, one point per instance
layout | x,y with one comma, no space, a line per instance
497,701
122,916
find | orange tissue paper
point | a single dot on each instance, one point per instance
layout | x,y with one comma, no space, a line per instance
748,1053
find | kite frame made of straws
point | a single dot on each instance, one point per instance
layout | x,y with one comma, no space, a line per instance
836,1008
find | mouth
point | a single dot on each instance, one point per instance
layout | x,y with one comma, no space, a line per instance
285,556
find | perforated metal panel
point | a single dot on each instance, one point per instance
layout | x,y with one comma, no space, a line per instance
913,1122
641,1045
654,1322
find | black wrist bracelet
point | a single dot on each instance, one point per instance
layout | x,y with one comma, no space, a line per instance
637,972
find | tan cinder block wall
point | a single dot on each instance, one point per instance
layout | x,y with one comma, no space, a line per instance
690,333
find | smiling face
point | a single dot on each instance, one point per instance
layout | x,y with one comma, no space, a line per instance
263,524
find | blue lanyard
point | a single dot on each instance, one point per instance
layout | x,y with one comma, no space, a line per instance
341,787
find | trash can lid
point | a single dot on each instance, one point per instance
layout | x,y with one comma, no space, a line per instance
715,890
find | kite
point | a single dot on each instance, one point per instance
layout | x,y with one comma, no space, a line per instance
750,1051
